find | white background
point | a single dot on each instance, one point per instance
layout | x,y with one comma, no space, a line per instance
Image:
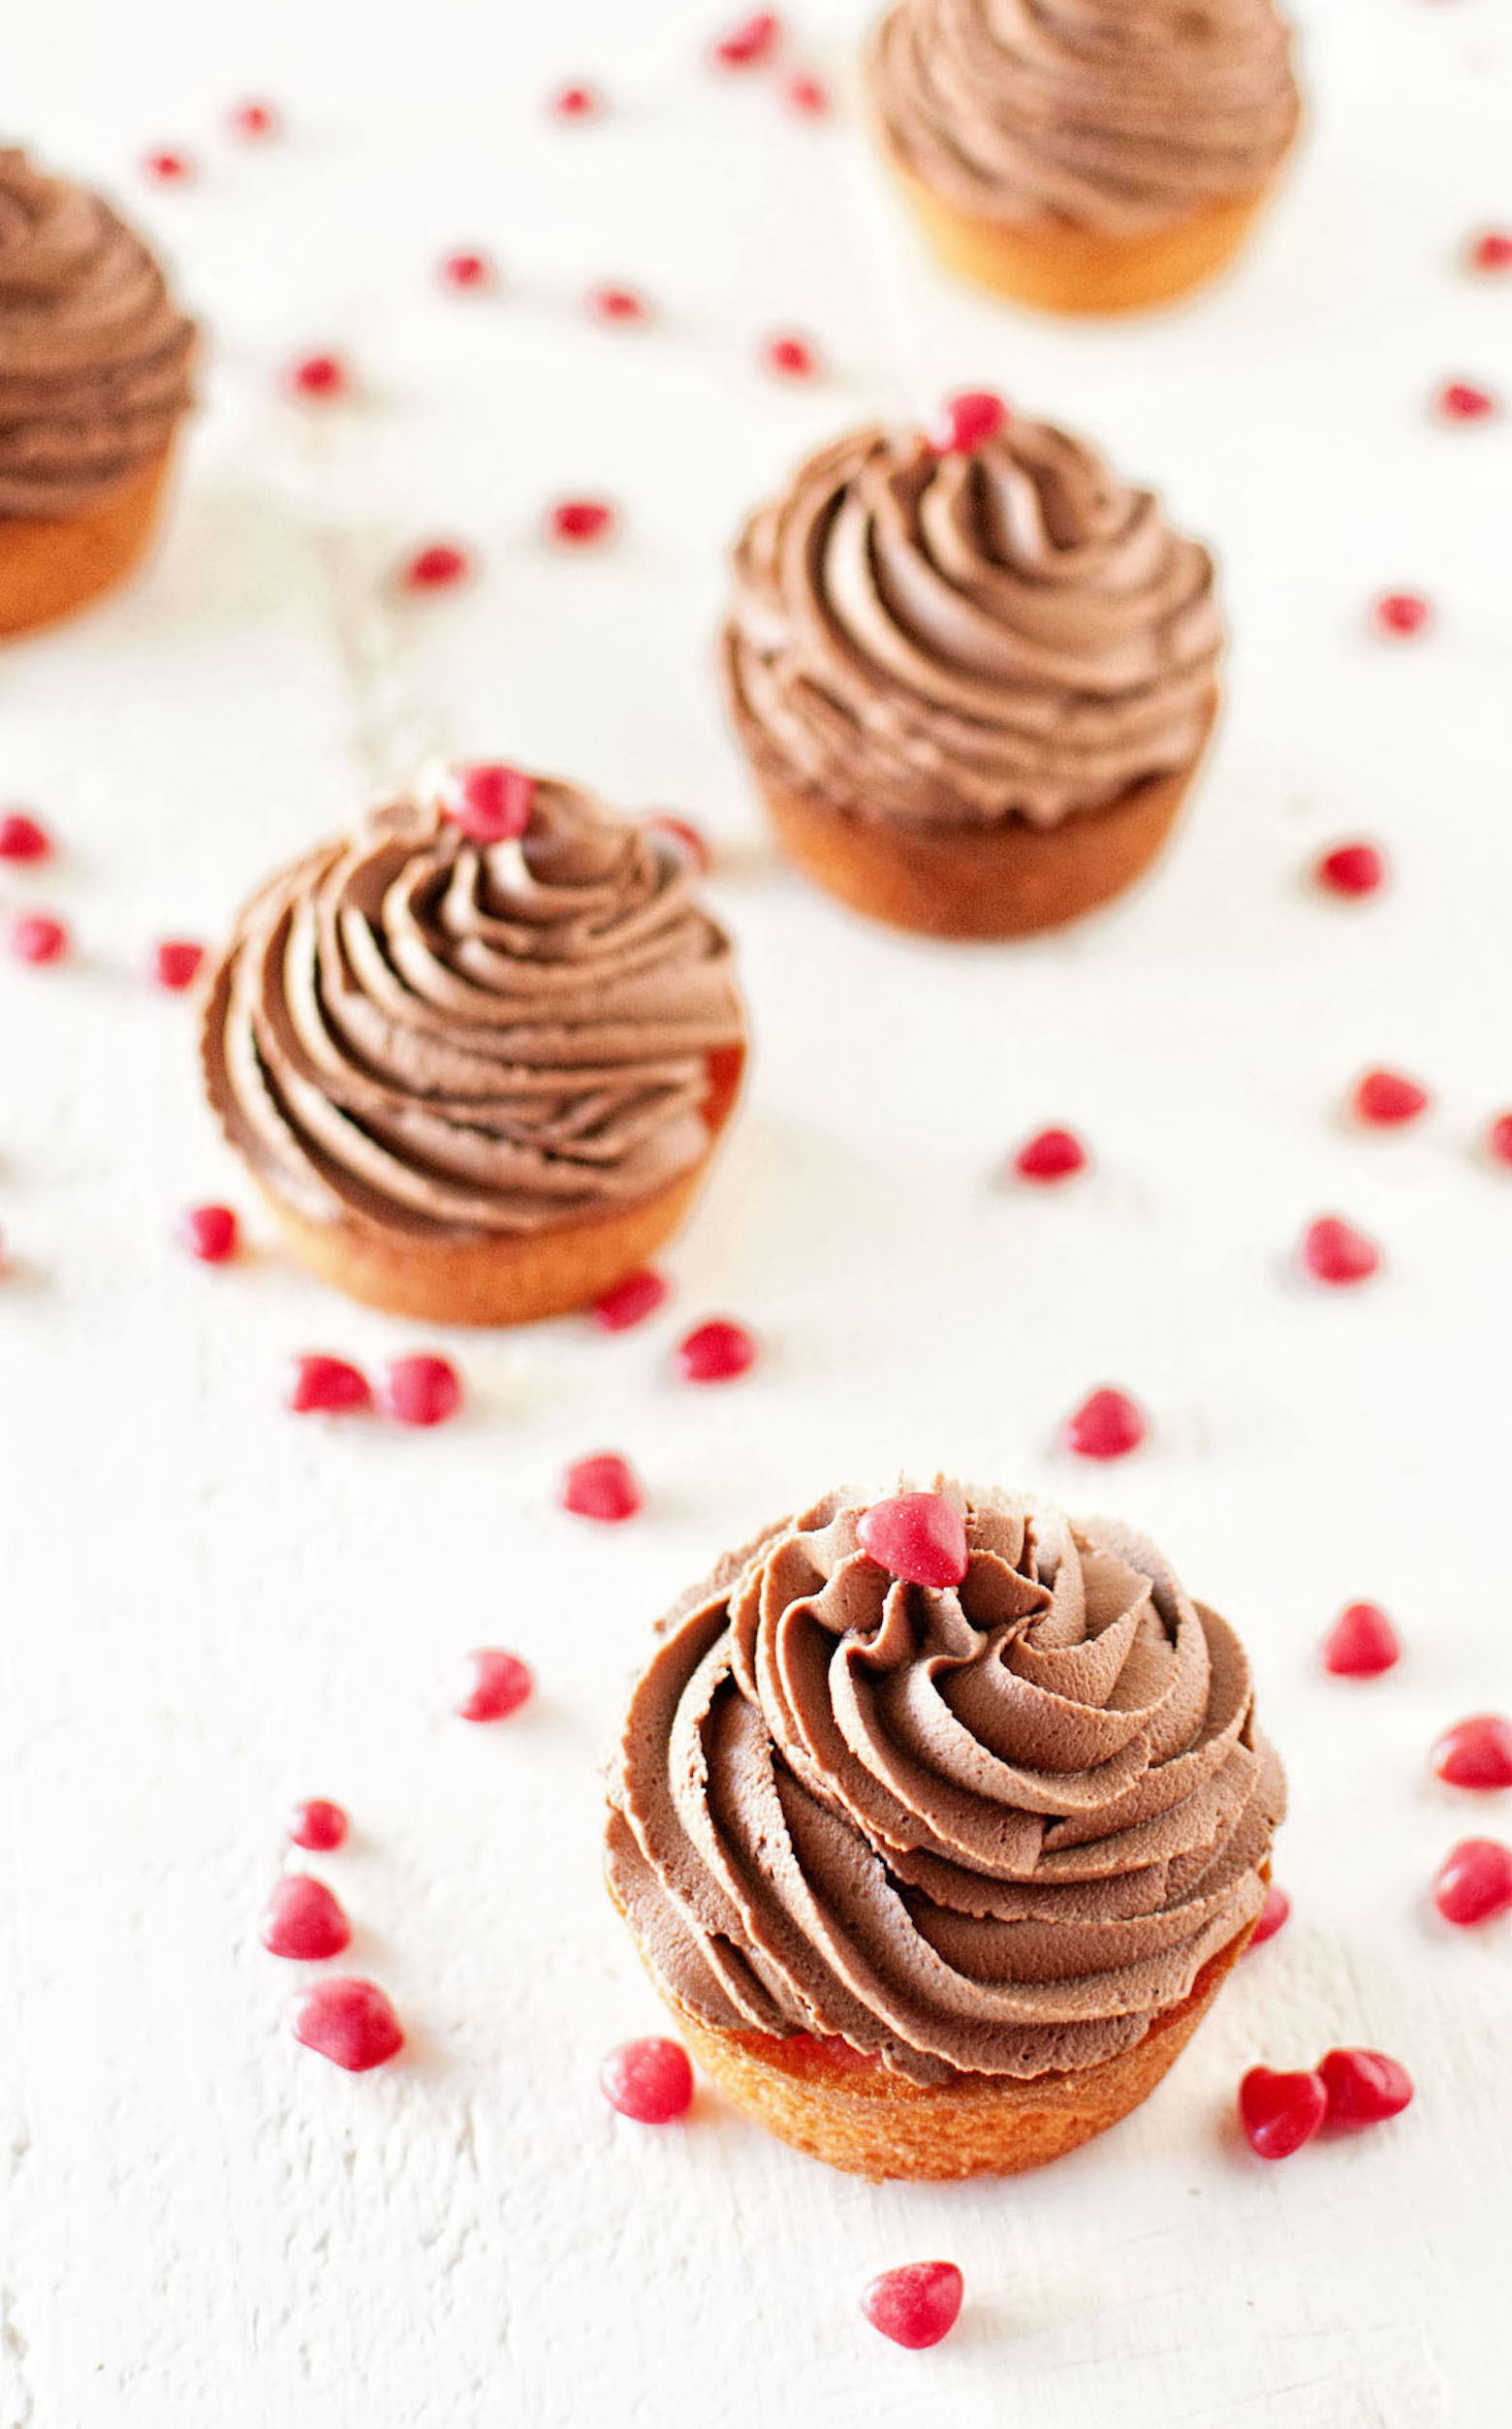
210,1608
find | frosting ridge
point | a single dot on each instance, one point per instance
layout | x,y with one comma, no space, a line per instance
968,637
1088,113
94,353
993,1829
413,1031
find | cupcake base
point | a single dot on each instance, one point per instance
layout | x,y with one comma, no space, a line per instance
977,882
855,2115
1076,269
51,567
515,1277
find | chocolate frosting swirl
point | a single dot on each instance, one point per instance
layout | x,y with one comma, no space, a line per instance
414,1032
991,1829
970,638
1094,114
94,354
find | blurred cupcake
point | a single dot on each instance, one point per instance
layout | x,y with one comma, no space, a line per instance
1085,156
478,1075
973,673
95,361
938,1822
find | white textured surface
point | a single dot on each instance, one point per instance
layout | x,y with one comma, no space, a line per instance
209,1609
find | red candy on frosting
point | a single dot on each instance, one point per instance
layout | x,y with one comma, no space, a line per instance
1474,1884
920,1538
490,802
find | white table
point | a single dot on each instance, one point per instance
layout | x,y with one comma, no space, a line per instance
212,1608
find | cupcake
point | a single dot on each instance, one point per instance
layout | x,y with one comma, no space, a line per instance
477,1055
1085,156
939,1823
973,673
94,381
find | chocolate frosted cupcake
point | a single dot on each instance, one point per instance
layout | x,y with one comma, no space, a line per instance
94,381
939,1822
1085,156
479,1075
973,674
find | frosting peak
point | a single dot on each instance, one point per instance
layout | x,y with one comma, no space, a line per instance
94,354
412,1031
1101,115
967,638
995,1828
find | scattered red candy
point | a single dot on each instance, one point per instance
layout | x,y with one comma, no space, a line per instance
489,802
255,120
1476,1754
469,274
581,521
37,938
630,1301
1403,614
1272,1915
603,1487
716,1352
791,358
210,1233
321,377
967,422
1108,1425
498,1682
1337,1252
1352,868
621,307
167,167
1491,251
350,2022
1049,1156
1474,1882
807,96
650,2080
1388,1098
1498,1139
422,1390
1463,400
439,567
21,838
920,1538
746,45
1361,1644
573,102
176,963
915,2306
305,1921
1364,2087
318,1824
328,1386
688,839
1280,2112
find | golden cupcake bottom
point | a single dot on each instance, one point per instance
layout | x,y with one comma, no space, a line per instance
517,1277
857,2116
50,568
967,881
1076,269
